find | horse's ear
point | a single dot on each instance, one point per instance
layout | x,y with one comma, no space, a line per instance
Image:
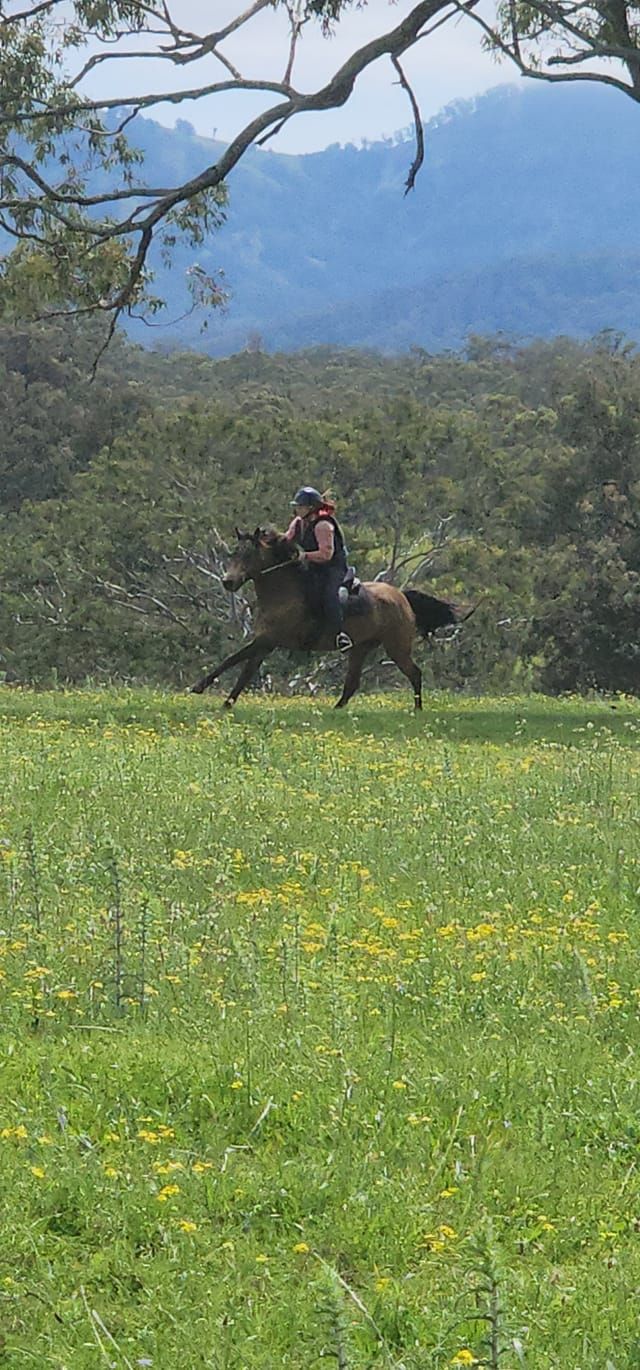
257,535
241,534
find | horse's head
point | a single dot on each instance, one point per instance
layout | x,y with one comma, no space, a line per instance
256,552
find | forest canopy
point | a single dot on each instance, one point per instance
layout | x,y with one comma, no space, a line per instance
505,474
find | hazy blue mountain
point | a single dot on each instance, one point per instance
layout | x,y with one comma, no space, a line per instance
525,218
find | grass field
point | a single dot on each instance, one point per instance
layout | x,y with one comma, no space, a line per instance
319,1036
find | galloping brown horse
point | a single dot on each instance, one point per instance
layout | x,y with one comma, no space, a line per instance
379,615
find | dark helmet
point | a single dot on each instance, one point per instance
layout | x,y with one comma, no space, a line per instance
308,495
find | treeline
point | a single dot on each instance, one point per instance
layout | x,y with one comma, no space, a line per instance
509,475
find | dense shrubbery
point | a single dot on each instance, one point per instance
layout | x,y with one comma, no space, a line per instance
115,498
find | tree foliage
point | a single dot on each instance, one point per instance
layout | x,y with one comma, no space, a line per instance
507,475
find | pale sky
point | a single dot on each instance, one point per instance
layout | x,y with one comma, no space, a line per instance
447,66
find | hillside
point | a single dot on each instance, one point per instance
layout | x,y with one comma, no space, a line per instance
524,219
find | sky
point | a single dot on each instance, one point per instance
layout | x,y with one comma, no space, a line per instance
448,66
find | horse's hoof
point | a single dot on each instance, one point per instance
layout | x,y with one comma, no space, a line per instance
196,690
228,703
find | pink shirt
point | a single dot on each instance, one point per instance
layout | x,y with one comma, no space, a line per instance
324,539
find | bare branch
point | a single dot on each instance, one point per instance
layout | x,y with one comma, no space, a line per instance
417,119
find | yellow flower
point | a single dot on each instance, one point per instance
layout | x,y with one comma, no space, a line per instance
399,1084
66,994
478,975
199,1166
301,1248
38,1172
261,1259
236,1084
464,1357
167,1192
187,1226
19,1133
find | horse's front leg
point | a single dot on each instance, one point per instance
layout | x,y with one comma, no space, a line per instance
256,645
246,676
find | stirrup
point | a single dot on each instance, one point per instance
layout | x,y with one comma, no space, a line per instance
343,642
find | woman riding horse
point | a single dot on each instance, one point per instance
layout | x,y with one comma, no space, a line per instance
315,529
385,616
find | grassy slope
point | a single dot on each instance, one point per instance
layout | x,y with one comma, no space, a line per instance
386,1052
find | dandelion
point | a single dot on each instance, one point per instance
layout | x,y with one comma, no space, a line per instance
399,1084
261,1259
168,1191
236,1084
186,1225
301,1248
38,1171
464,1357
66,994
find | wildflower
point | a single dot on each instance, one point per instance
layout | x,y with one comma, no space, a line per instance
399,1084
478,975
464,1357
301,1248
66,994
236,1084
38,1172
167,1192
199,1167
186,1226
261,1259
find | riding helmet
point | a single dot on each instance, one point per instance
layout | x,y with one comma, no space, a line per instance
308,495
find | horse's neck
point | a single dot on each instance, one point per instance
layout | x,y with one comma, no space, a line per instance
281,583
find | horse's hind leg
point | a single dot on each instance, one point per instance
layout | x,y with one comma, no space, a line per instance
236,657
405,663
357,657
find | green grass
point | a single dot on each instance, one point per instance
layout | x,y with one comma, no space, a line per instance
319,1034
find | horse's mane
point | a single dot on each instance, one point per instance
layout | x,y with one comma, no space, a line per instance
283,549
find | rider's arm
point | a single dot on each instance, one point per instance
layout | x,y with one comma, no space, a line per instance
293,531
325,541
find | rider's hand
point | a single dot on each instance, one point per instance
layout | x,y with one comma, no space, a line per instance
302,559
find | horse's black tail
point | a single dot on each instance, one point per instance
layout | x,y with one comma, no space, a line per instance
431,613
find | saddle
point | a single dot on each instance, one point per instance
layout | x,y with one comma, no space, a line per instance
350,585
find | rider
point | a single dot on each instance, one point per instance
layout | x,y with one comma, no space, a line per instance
315,528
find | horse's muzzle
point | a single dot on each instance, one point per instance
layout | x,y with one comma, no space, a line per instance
229,583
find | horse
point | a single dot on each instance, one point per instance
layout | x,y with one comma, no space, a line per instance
379,615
